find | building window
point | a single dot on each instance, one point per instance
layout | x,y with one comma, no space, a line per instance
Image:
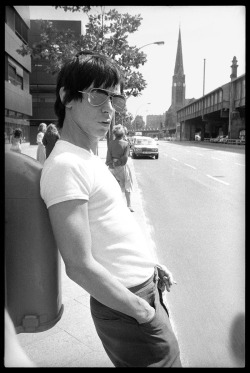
21,29
13,77
243,88
238,90
220,96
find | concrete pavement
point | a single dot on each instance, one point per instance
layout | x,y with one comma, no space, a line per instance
73,341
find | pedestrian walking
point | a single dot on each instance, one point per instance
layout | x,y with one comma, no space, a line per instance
117,161
103,248
16,140
40,154
50,138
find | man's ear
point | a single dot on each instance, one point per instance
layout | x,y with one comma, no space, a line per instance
62,94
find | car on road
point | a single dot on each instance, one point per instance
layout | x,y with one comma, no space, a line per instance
143,146
216,139
223,139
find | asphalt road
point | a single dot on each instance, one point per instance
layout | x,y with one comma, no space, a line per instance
194,202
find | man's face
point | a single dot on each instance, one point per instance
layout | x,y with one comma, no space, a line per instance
94,120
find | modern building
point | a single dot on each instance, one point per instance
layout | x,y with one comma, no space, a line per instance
18,100
43,84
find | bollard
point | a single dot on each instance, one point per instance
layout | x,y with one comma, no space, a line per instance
32,261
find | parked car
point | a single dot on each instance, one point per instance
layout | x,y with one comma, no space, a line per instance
216,139
144,146
223,139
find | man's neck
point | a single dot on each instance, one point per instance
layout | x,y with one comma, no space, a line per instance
78,137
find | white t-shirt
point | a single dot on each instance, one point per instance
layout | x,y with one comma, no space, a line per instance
118,243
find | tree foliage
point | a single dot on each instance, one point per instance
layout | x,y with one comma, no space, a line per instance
139,123
105,32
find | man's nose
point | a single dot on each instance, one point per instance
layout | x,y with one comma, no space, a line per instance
108,105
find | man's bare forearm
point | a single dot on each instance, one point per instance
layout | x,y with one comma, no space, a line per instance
99,283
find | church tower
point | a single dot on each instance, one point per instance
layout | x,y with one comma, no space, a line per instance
178,86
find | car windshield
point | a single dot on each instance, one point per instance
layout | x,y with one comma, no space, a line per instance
144,142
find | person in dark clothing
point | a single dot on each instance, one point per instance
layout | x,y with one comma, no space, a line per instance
50,138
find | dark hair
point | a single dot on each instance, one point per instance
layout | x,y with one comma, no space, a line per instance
17,132
78,74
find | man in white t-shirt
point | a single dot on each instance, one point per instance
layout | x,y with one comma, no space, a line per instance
102,246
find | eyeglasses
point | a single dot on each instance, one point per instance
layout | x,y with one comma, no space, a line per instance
98,96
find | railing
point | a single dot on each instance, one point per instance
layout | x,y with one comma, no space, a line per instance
228,141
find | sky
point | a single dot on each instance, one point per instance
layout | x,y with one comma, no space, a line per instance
211,36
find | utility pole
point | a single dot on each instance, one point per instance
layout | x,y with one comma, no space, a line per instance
204,77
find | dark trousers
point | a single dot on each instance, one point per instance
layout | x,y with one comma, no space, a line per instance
130,344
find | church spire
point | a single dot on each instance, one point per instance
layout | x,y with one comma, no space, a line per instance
178,70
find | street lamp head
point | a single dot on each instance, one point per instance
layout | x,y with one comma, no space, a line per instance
155,42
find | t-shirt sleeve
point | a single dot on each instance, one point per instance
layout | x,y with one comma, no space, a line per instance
64,182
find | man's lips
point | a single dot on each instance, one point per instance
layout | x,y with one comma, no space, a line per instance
105,122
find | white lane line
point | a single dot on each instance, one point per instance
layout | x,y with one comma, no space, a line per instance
202,155
175,159
220,181
239,164
218,159
190,166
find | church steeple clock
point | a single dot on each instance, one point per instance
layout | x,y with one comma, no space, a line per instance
178,86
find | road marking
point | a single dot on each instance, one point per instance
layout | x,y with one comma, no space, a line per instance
220,181
216,158
190,166
239,164
175,159
202,155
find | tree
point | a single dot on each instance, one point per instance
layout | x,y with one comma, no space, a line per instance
125,118
138,122
105,32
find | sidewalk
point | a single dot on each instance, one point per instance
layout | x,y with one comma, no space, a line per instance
73,341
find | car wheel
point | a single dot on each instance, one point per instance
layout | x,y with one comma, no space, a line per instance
157,156
133,155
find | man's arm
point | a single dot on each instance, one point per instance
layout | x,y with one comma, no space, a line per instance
70,225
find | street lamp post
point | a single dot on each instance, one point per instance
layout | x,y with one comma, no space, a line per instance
155,42
204,77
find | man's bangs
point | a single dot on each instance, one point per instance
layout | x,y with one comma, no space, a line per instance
101,74
106,78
